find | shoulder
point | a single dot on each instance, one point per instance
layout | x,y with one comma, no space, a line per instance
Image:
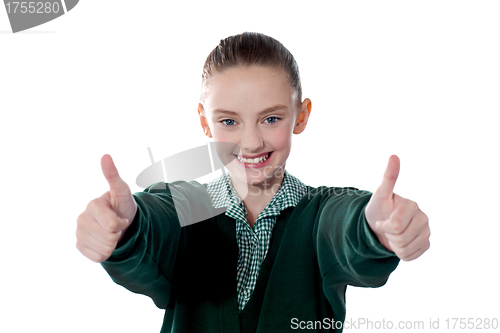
320,195
328,192
188,200
330,203
178,189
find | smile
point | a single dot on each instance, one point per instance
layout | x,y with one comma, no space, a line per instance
256,160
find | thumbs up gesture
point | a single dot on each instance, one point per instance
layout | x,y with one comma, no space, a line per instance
398,223
105,219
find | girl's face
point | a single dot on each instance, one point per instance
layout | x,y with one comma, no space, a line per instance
255,109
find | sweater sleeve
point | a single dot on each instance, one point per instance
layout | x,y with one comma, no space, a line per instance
144,260
348,250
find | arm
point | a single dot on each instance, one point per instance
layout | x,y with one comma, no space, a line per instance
144,260
348,251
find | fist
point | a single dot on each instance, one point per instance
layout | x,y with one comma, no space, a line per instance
398,223
105,219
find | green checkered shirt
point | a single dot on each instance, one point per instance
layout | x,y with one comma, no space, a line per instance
253,243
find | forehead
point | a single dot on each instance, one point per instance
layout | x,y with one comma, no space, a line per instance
248,89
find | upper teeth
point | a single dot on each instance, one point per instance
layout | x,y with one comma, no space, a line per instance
253,160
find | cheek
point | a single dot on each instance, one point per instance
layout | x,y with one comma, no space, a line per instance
226,151
281,139
222,136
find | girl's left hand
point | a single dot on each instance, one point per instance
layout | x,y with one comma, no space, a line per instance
397,222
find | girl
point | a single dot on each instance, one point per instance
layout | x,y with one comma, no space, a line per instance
280,254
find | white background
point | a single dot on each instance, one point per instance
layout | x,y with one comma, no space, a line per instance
416,79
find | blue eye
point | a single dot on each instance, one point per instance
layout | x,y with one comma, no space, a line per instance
228,120
275,120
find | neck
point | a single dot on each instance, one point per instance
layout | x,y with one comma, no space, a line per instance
258,196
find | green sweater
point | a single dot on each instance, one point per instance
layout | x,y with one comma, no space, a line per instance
317,249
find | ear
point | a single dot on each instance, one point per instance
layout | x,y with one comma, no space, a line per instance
305,111
204,121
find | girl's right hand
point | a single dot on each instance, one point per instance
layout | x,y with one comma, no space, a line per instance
105,219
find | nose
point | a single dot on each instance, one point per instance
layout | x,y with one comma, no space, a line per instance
251,141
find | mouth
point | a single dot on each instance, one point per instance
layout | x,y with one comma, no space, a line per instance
255,161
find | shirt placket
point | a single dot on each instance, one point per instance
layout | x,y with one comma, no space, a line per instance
253,243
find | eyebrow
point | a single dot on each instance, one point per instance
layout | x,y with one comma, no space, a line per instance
268,110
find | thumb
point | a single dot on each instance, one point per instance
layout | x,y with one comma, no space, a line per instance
117,186
385,190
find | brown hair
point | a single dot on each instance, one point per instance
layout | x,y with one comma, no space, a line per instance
252,48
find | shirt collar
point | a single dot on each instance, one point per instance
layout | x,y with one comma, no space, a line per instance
223,194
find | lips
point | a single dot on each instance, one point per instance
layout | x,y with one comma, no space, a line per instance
254,156
256,160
